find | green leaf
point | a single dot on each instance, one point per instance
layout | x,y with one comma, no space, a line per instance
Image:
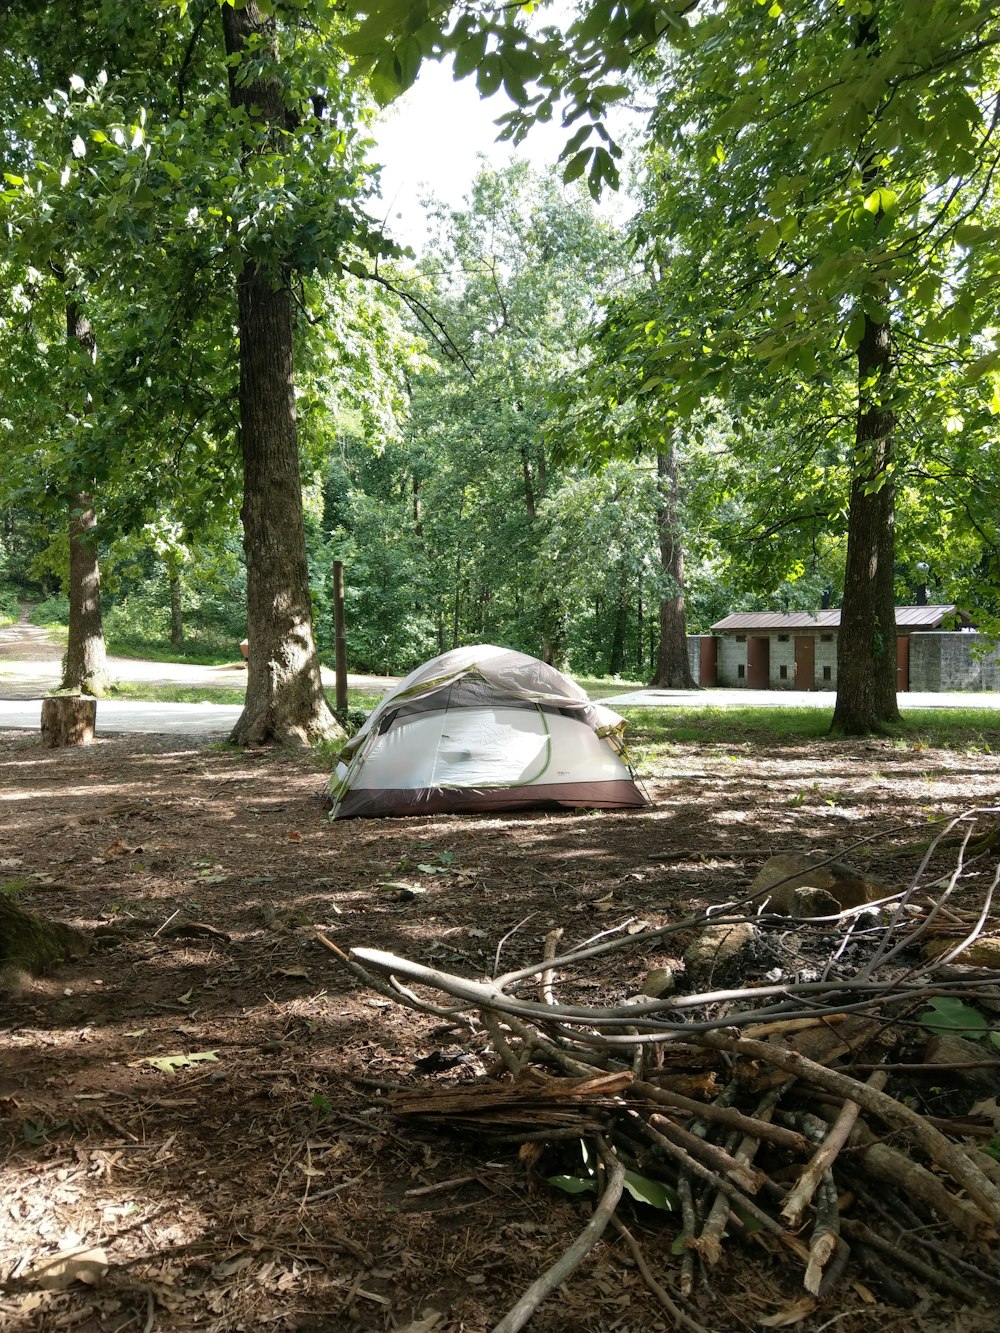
574,168
653,1192
950,1017
572,1184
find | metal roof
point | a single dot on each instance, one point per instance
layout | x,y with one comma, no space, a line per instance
925,617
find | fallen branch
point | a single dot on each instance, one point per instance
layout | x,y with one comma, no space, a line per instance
573,1257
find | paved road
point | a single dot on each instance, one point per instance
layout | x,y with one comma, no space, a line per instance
119,715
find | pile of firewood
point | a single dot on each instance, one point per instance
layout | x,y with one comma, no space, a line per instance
778,1111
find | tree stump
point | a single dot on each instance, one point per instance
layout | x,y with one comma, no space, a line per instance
68,719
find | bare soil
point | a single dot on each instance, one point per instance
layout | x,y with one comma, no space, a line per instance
263,1183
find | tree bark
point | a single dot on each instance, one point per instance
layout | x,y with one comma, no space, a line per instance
86,666
29,944
68,719
285,703
673,670
866,644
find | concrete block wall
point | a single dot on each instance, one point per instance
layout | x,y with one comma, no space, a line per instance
782,655
694,655
951,661
731,656
826,656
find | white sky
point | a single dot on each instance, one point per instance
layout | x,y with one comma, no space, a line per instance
429,141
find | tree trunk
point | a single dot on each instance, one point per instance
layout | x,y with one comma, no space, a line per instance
68,719
29,944
86,669
673,671
285,703
866,644
86,666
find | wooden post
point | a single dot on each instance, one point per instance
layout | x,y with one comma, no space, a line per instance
68,719
339,637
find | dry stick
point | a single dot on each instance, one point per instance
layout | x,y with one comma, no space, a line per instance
679,1316
726,1186
894,1113
392,989
825,1235
709,1242
501,1045
807,1184
900,1254
725,1115
714,1156
689,1223
547,978
571,1259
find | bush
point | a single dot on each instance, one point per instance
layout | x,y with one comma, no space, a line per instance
10,609
52,611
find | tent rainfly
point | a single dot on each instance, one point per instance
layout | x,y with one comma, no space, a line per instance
484,728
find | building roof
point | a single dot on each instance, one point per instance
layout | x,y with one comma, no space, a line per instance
922,617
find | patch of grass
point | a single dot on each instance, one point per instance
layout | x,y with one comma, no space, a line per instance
723,725
975,729
605,687
151,691
195,652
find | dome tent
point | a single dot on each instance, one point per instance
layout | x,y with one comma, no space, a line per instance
484,728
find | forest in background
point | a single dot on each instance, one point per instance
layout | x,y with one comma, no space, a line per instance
574,439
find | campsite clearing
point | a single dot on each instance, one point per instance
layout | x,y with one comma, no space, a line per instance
202,1097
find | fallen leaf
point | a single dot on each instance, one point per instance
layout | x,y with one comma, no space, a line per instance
294,835
791,1314
59,1271
428,1321
169,1064
989,1109
290,972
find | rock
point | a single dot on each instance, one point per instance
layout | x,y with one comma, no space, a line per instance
660,981
720,956
842,886
984,952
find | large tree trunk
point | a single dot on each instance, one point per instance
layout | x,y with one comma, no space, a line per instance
866,645
285,703
673,670
30,945
86,666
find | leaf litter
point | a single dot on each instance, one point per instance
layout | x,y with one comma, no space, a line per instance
273,1186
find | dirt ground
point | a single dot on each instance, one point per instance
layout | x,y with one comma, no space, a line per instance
262,1182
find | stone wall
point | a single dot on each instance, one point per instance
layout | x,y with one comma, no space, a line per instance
953,661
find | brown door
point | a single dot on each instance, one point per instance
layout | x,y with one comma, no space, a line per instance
708,674
805,662
758,663
902,663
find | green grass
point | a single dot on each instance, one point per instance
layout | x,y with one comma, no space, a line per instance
194,652
147,691
144,691
605,687
947,728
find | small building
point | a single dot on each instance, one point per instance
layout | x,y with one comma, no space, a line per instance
773,650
